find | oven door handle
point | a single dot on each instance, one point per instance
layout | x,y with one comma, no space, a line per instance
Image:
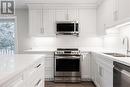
67,57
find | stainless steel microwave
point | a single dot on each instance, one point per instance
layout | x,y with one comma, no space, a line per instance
67,28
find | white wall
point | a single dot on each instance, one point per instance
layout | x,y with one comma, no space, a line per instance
86,39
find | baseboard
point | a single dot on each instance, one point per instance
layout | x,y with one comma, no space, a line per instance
83,79
49,79
86,79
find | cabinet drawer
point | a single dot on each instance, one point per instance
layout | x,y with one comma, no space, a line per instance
40,83
35,79
33,69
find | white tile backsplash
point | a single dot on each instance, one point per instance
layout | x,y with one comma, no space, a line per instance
113,40
68,42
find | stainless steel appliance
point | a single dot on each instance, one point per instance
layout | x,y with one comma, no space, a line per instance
121,77
67,65
67,28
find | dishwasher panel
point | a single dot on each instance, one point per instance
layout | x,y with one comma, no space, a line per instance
121,77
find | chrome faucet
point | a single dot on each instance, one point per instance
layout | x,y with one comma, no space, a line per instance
127,44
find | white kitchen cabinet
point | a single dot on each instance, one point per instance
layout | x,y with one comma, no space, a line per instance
102,71
67,15
73,14
49,66
124,9
105,16
85,66
41,22
87,23
111,13
35,22
34,75
49,27
94,70
61,15
105,73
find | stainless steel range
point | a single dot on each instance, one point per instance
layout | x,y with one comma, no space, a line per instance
67,65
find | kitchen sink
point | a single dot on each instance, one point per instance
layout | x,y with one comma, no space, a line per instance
117,54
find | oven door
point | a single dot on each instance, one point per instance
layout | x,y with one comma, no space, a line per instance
67,66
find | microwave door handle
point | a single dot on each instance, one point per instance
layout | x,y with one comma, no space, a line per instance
74,27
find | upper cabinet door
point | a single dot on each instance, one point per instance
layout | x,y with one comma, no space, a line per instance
67,15
35,22
49,22
73,14
105,16
109,11
42,22
61,15
124,9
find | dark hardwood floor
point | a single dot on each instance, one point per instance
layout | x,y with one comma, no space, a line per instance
82,84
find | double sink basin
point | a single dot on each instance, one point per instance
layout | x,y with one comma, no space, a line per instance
117,55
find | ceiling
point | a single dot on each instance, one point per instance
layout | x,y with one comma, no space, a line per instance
21,3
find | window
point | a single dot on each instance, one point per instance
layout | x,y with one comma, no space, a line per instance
7,36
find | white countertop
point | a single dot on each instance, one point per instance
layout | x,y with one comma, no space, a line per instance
123,60
11,65
40,50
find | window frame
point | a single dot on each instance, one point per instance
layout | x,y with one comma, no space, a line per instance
16,31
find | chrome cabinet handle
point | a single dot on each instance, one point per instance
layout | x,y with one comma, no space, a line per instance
38,65
37,83
100,71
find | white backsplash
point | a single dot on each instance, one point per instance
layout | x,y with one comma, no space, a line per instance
68,42
114,39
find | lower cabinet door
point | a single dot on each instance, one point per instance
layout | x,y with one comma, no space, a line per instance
85,66
107,79
105,75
